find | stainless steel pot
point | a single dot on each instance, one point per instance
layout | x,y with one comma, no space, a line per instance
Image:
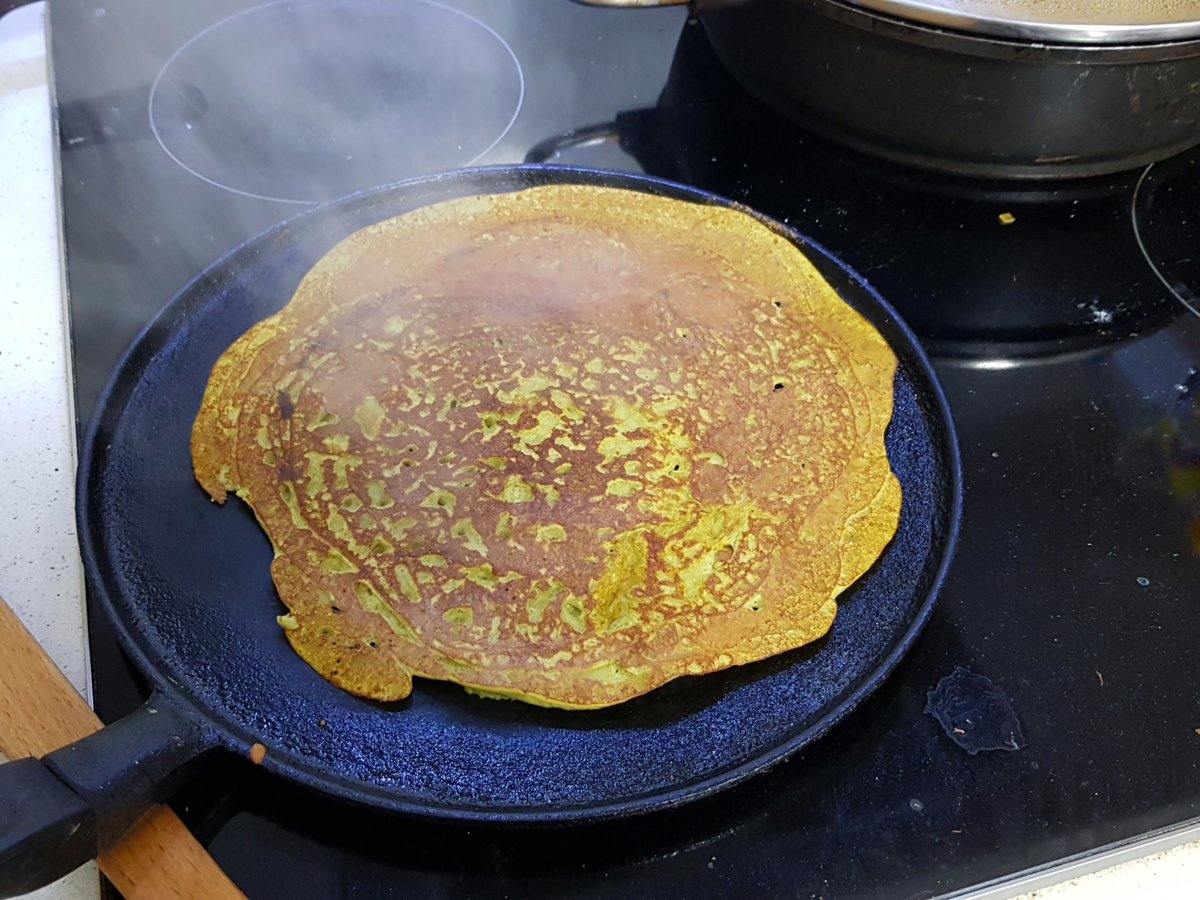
997,88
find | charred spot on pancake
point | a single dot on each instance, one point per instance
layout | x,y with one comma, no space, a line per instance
286,407
562,445
287,471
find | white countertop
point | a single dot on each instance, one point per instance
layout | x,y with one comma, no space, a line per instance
1166,874
41,577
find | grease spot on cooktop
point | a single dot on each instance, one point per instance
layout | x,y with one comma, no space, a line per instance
975,713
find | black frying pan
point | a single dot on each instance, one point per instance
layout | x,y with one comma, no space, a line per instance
187,586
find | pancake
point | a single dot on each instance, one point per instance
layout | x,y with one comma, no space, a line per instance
561,445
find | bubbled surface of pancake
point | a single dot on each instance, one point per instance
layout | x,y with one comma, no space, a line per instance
561,445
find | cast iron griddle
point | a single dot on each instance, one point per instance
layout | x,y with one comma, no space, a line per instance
187,583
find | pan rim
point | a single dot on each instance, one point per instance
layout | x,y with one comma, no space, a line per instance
235,738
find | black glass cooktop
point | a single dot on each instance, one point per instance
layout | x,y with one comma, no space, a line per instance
1052,705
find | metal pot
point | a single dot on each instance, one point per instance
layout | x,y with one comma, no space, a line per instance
997,88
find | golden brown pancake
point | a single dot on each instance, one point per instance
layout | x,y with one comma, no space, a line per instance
561,445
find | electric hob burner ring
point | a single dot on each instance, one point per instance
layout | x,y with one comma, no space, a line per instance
1165,214
302,101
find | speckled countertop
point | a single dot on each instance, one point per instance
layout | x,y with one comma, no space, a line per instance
41,575
1168,873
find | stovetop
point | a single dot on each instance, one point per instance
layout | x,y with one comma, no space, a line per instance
1063,320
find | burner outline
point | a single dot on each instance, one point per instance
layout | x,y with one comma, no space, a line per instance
1176,292
256,9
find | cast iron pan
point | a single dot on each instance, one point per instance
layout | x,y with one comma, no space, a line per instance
187,585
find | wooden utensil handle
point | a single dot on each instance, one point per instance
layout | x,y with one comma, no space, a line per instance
40,712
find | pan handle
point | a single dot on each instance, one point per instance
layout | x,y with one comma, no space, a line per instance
60,811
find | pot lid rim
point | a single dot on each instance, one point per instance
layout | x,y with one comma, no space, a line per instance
1044,22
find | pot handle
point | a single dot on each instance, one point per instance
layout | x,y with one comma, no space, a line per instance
547,150
7,6
67,807
632,4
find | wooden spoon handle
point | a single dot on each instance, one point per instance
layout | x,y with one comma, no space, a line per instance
41,711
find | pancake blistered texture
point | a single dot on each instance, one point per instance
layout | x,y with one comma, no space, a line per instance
561,445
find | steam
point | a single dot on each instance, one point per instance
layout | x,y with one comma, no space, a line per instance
306,101
302,101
